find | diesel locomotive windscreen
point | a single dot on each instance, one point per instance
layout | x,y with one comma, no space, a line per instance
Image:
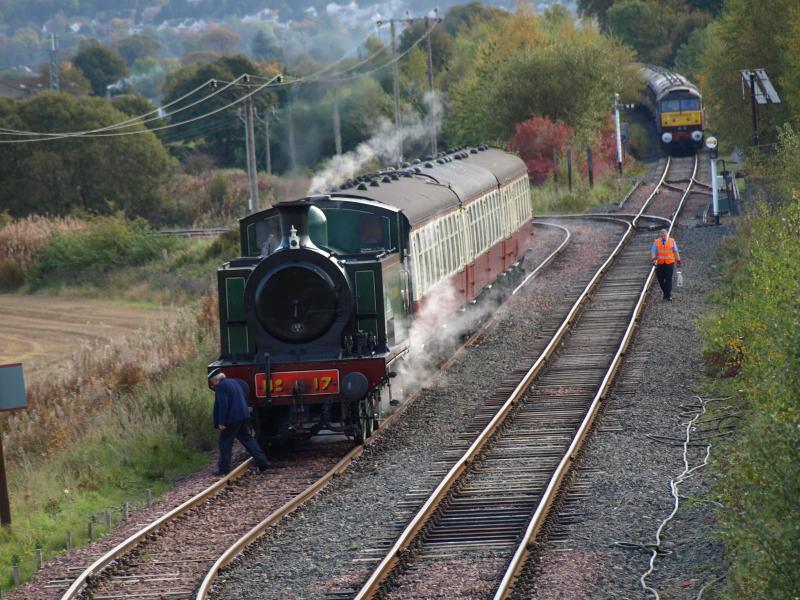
296,304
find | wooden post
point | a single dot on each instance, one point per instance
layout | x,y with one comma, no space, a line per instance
125,510
39,558
108,520
590,162
149,498
569,168
68,542
90,529
5,505
555,170
15,574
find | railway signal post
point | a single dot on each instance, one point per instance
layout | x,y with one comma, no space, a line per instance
711,144
618,133
12,397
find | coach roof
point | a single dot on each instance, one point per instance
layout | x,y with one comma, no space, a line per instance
430,187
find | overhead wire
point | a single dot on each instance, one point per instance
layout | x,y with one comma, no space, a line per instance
104,131
132,121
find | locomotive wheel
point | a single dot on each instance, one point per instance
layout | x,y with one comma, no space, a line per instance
365,422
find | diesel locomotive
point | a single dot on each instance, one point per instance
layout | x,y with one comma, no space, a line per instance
317,311
676,106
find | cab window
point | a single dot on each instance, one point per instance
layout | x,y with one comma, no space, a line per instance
670,105
690,104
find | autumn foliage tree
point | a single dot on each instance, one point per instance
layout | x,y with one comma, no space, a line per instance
535,141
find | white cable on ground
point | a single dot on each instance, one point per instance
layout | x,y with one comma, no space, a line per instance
674,483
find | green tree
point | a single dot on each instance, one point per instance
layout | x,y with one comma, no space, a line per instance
136,46
748,35
94,174
647,27
441,42
101,67
217,39
136,106
523,68
265,46
224,141
597,9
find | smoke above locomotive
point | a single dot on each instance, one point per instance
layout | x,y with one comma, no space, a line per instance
317,312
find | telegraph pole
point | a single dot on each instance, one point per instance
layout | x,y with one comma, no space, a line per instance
396,89
396,82
753,107
265,120
290,135
250,147
55,83
337,123
432,91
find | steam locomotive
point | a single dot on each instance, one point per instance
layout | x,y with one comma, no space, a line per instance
676,106
317,311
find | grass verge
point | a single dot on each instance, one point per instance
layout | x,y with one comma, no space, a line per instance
751,346
154,434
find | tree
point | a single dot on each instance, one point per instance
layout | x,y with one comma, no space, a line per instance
535,140
93,174
747,35
218,39
460,18
647,27
265,46
441,42
518,70
597,9
136,106
225,143
101,67
135,47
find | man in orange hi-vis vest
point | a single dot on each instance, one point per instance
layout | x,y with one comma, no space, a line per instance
664,254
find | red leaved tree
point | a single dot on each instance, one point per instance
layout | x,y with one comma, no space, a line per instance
535,140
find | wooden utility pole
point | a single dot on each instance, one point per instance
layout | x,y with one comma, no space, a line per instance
337,123
398,124
431,90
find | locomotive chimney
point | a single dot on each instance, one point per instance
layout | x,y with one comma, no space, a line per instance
294,224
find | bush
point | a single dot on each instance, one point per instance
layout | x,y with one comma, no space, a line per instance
226,246
754,341
105,244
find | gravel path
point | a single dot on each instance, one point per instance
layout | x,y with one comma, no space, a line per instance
625,474
312,553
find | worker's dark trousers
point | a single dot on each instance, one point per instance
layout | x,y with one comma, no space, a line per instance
240,430
664,276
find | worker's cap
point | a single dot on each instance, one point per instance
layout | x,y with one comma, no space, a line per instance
214,373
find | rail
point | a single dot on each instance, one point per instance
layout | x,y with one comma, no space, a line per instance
120,549
409,534
440,493
520,556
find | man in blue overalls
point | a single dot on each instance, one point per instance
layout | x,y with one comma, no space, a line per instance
232,418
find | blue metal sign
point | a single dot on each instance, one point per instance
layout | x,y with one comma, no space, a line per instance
12,387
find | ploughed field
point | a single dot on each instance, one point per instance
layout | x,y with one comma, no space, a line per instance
42,332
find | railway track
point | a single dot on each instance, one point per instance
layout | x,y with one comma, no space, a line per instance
496,496
179,555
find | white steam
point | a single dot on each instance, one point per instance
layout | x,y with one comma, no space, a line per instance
382,146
